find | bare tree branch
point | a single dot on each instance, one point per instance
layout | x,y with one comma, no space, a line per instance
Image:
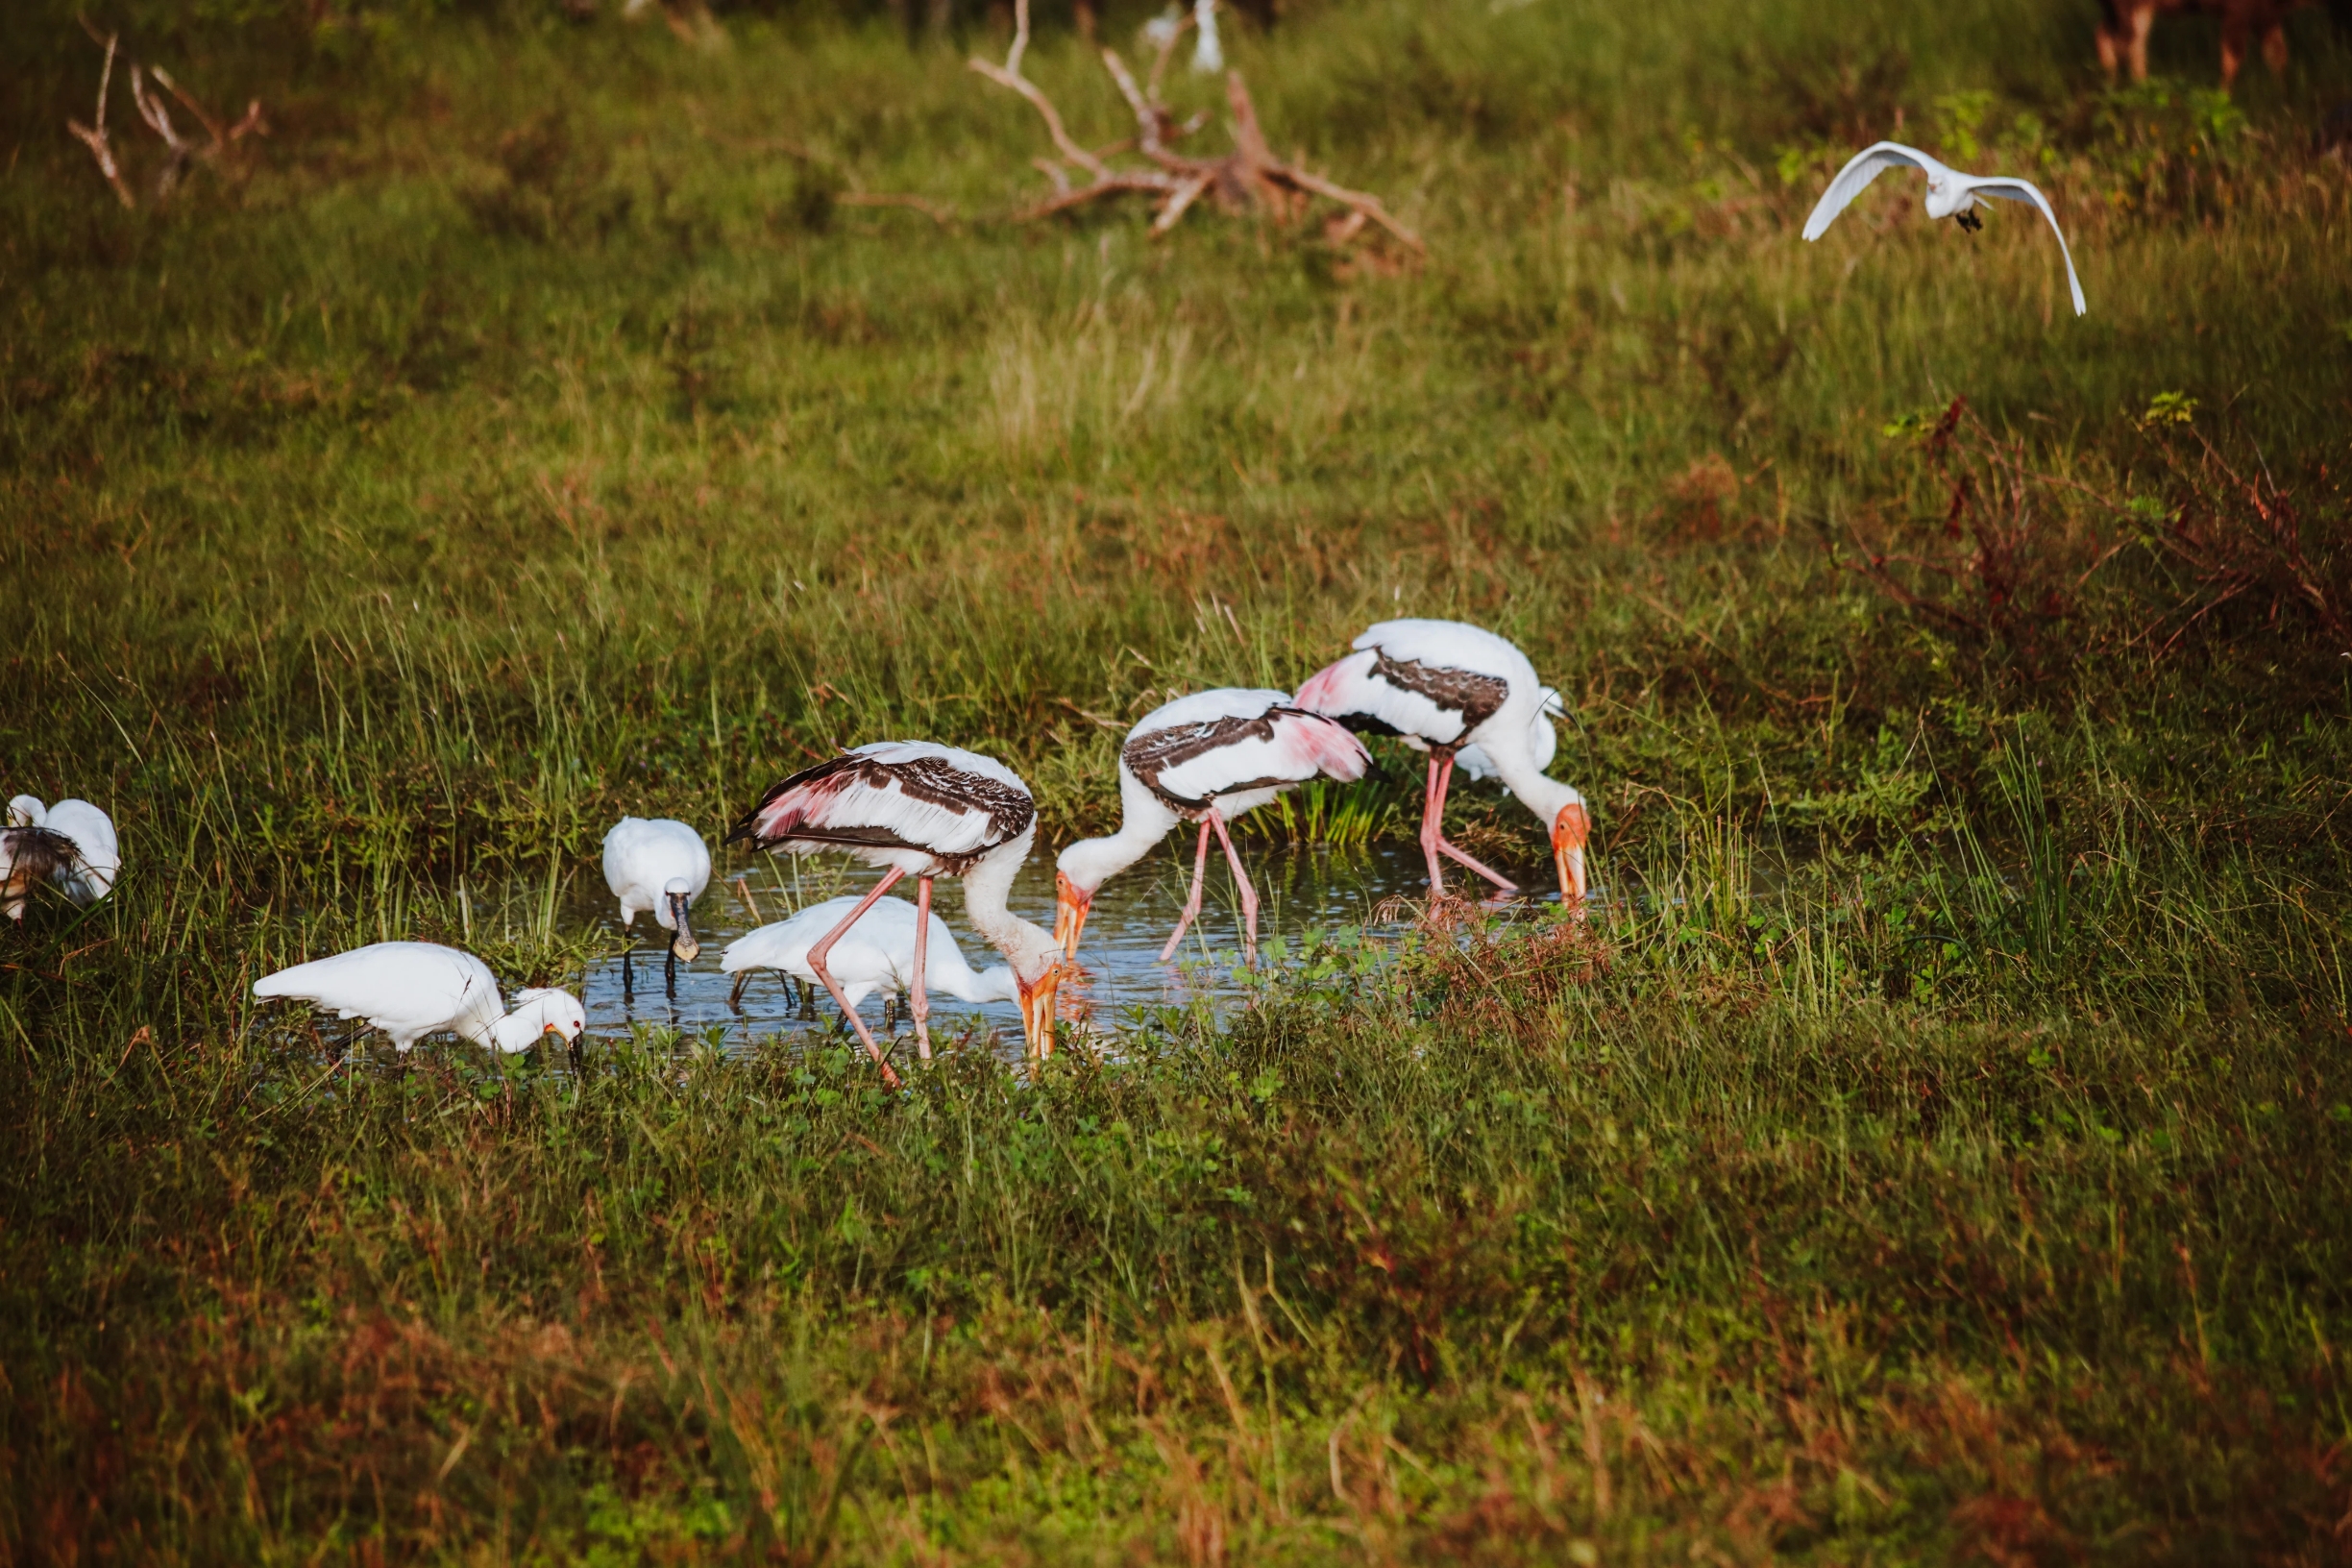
94,137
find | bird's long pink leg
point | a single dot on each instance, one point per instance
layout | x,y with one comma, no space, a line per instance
1249,894
1200,869
917,1003
817,966
1429,832
1445,782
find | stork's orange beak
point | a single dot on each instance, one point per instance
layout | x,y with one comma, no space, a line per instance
1568,836
1036,1005
1071,906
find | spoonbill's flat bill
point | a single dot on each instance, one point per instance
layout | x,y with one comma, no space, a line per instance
1205,758
916,808
1950,194
657,866
1444,686
876,953
413,989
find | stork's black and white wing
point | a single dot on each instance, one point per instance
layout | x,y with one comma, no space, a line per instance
1431,681
2005,188
1856,177
891,799
1232,742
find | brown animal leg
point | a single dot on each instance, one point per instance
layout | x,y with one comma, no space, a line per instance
2236,26
2275,48
2110,37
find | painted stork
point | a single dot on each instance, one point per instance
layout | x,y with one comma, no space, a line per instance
70,845
1444,687
1205,758
413,989
658,866
876,954
1950,194
916,808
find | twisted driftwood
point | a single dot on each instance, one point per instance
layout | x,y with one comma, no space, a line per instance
179,151
1250,175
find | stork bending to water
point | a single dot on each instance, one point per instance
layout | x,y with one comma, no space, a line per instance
1205,758
1446,687
916,808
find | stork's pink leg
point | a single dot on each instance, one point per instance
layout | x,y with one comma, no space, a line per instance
1249,894
1200,869
817,966
1429,833
917,1003
1445,782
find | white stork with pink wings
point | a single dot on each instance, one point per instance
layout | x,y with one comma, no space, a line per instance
1205,758
917,809
1445,687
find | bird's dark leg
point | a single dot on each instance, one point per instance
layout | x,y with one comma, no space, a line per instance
628,978
670,973
918,1003
1445,781
1249,894
816,965
1200,869
1967,220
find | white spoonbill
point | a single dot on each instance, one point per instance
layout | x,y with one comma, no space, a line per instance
413,989
877,953
1443,687
924,810
70,845
1205,758
661,865
1950,194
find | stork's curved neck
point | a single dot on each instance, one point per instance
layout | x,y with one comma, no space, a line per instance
986,886
1515,765
1144,819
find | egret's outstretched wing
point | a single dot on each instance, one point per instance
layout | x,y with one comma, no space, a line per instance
1859,171
2020,191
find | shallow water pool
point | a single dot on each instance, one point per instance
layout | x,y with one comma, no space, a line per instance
1301,890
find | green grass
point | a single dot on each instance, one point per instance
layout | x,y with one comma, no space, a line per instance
1934,1150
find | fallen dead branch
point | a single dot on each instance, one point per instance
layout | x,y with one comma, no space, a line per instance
180,152
94,137
1248,178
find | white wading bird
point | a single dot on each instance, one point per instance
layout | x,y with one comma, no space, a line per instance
1950,194
876,954
70,845
1205,758
922,810
1445,687
413,989
661,865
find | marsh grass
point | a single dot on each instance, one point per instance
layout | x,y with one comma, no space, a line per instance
1931,1148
